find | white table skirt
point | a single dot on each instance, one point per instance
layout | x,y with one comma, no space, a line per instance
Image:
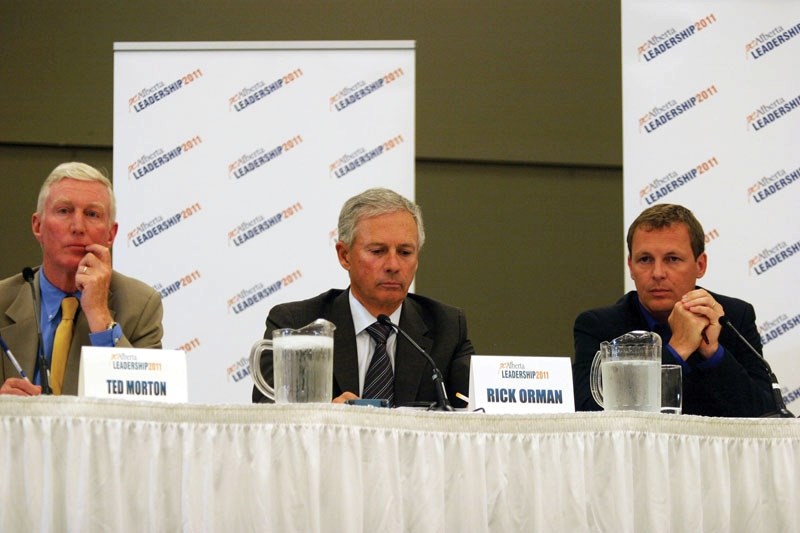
72,464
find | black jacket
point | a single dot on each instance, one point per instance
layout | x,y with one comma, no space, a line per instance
738,387
441,330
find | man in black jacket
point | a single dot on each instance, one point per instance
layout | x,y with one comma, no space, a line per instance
380,236
666,257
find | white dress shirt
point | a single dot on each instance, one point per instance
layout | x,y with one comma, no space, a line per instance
365,345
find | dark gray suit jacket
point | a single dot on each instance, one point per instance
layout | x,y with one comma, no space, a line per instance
738,387
441,330
134,305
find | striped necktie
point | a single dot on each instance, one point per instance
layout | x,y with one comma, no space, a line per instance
61,342
379,381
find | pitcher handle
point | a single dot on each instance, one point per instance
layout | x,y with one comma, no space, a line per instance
255,368
596,379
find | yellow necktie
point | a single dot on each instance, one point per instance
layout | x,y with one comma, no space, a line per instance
63,339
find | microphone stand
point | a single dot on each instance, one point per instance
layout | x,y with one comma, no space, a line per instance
443,404
782,411
44,369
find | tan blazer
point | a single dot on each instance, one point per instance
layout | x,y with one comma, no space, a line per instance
134,305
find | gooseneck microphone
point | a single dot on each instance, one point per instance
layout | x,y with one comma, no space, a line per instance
783,412
44,369
438,380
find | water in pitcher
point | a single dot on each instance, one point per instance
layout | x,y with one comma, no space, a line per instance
303,366
631,385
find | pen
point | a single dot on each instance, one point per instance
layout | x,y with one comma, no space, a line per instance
13,359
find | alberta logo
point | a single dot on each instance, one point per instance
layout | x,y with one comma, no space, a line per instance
149,230
147,163
358,158
660,44
512,370
155,93
662,187
779,326
661,115
769,113
360,90
249,230
247,298
258,91
771,185
772,258
127,361
249,162
764,43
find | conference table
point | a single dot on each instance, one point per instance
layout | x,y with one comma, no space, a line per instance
77,464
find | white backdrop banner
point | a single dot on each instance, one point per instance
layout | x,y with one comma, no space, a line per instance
231,162
711,120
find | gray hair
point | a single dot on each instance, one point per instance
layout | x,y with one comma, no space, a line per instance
80,172
373,203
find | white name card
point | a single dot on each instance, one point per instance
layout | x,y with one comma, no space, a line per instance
521,384
134,374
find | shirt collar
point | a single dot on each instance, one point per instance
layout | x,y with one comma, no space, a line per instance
362,318
650,319
51,295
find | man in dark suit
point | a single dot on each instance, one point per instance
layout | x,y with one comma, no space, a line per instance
666,256
75,225
380,236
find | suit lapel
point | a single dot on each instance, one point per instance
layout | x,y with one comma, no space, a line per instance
21,335
410,366
345,354
635,319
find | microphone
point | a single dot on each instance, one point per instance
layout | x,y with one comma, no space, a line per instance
44,369
776,389
441,393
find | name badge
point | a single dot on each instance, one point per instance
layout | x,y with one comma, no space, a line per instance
134,374
521,384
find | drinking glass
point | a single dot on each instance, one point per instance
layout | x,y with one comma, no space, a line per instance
671,389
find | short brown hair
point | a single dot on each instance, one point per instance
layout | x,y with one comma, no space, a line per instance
664,215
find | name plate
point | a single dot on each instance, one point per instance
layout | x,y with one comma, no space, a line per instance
521,384
134,374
